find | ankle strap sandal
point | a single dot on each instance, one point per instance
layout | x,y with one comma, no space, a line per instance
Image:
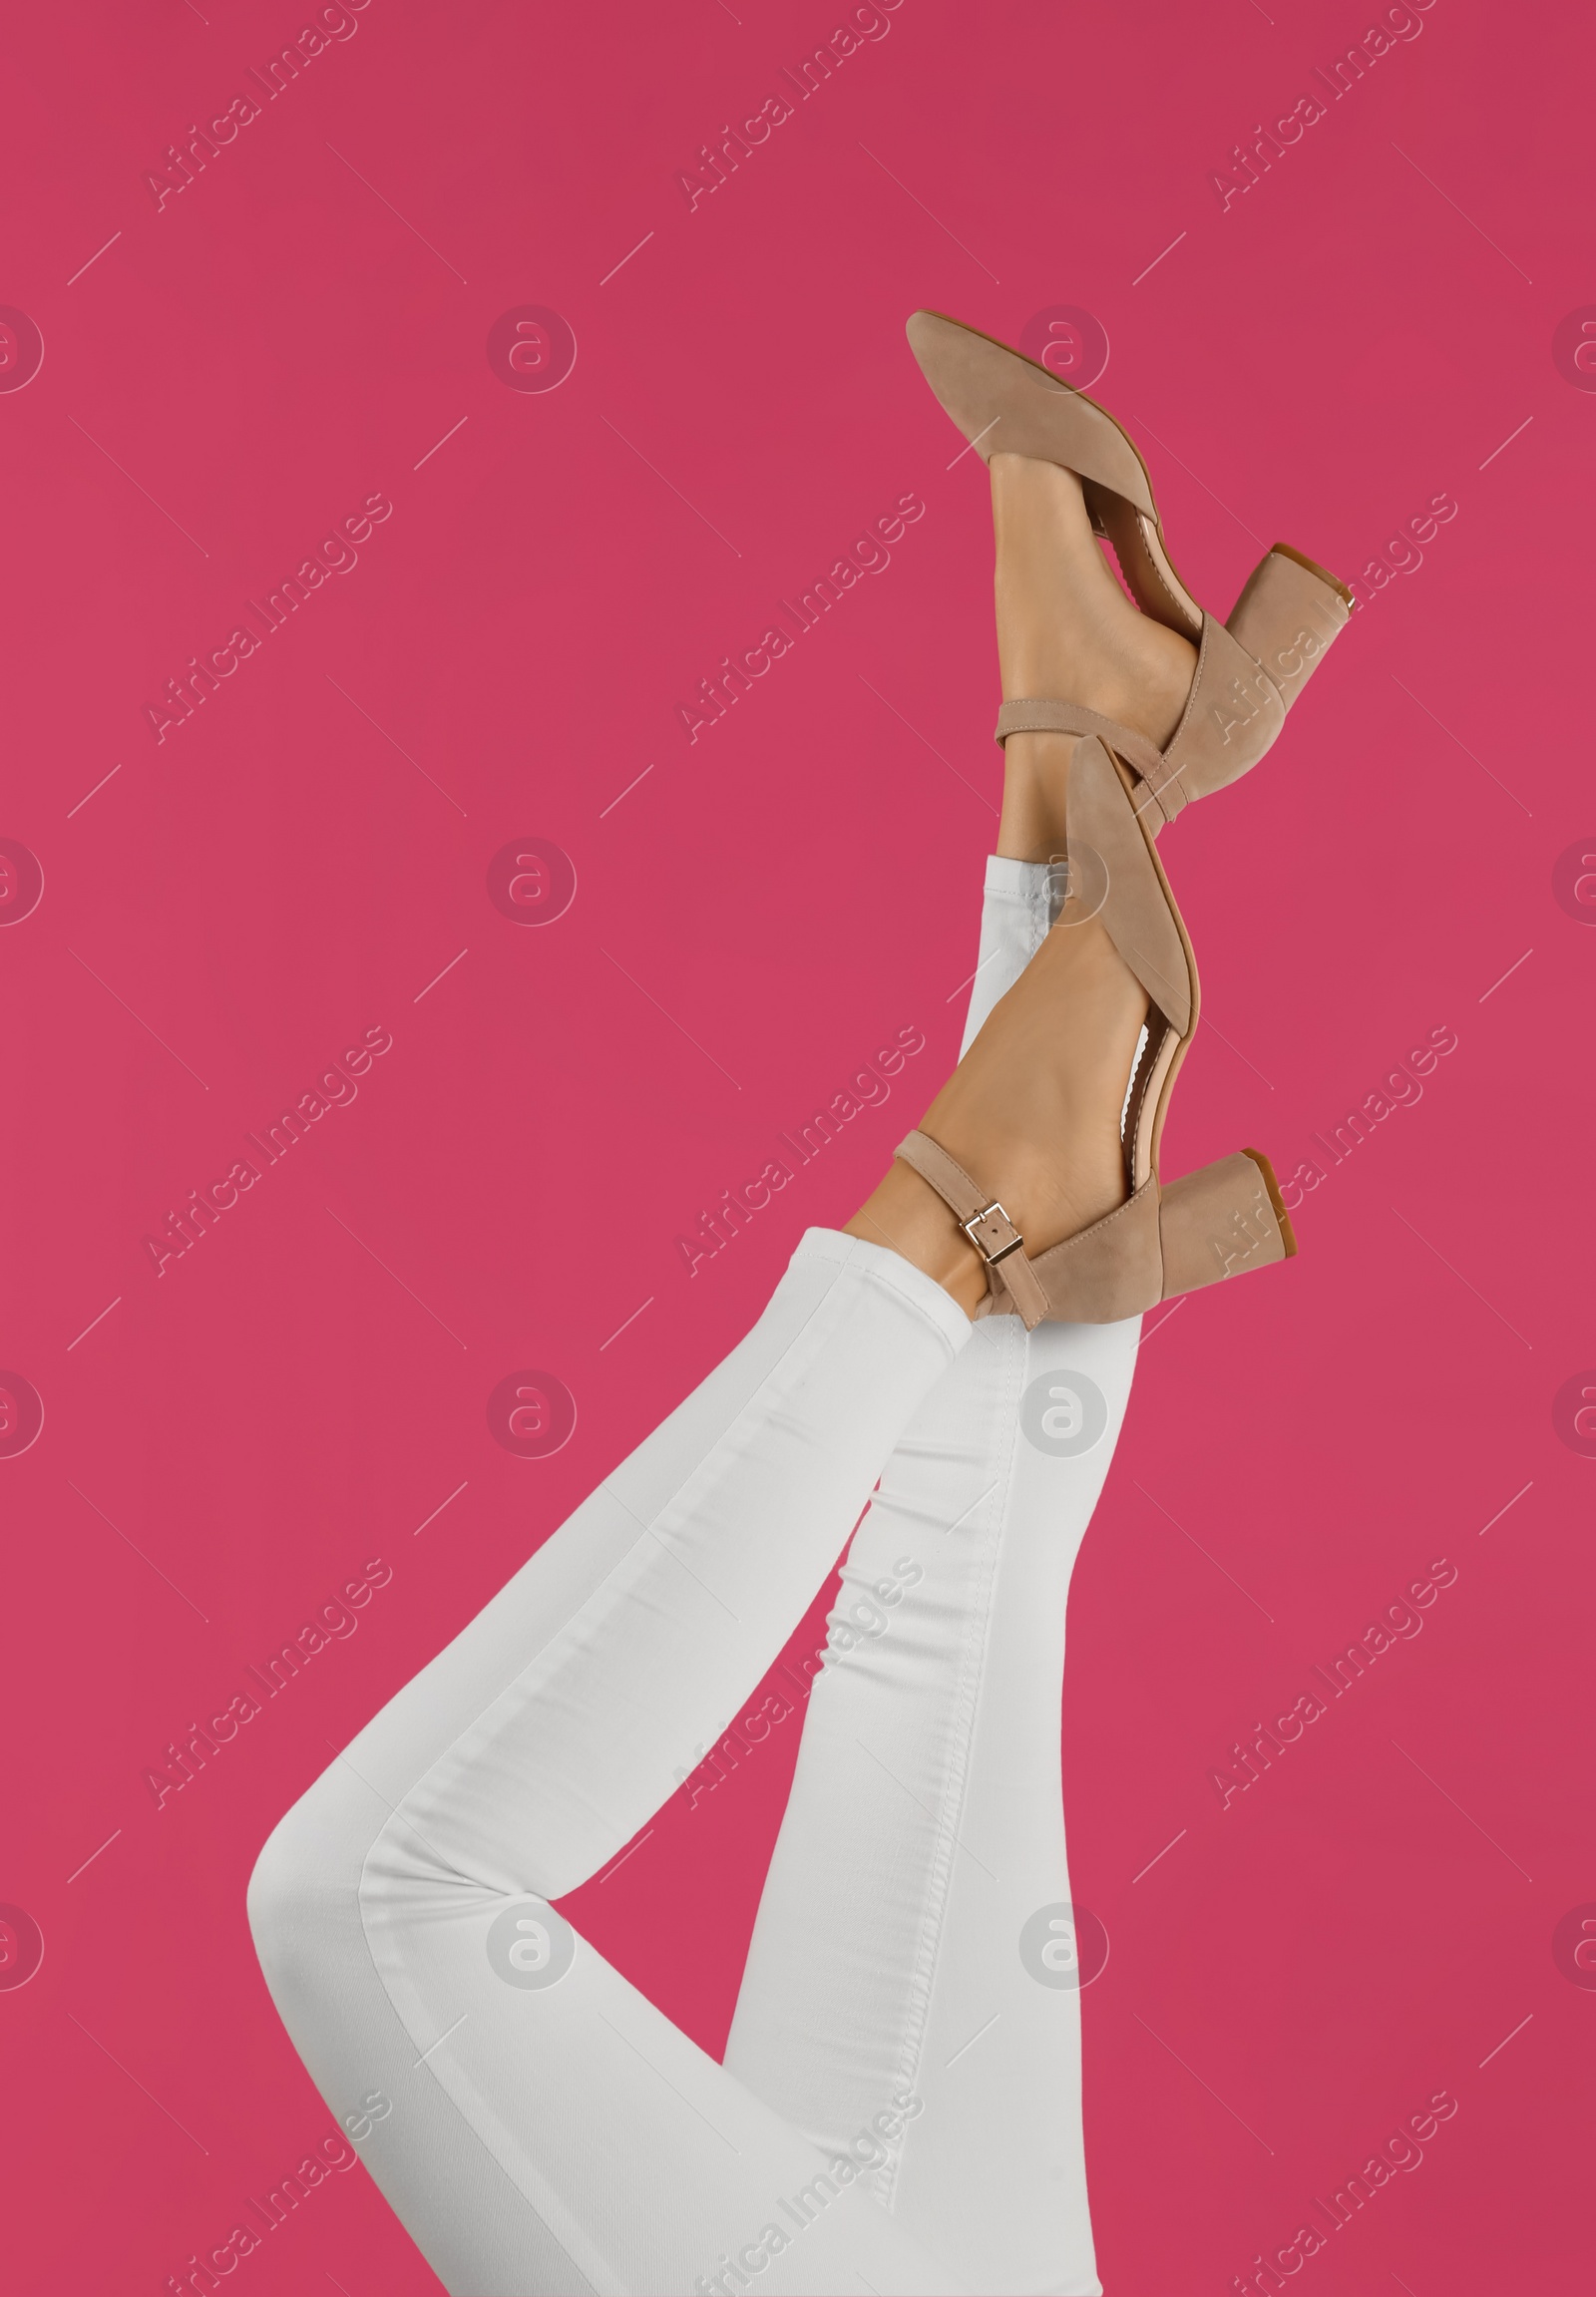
1214,1223
1249,670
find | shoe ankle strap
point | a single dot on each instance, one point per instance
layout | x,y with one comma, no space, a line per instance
1040,717
986,1222
1196,758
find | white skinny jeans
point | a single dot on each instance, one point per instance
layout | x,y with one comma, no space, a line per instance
899,2109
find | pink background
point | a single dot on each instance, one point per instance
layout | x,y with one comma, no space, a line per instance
234,374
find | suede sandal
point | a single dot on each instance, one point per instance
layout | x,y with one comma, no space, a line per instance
1214,1223
1249,670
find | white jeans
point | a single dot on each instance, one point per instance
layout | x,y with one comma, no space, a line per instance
900,2103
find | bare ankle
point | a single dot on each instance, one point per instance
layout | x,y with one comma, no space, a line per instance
1033,823
909,1219
1032,1112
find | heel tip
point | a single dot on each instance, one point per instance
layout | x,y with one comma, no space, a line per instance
1287,1232
1321,573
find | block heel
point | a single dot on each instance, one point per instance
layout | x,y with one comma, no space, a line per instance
1222,1221
1289,615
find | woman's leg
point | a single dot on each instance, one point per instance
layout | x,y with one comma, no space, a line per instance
925,1829
537,2125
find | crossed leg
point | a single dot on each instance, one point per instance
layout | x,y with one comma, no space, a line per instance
549,2132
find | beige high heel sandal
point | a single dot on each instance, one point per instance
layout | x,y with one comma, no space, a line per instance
1249,670
1214,1223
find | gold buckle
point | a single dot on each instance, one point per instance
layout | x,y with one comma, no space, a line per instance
991,1258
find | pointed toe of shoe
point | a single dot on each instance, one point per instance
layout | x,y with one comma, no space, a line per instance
965,370
980,385
930,338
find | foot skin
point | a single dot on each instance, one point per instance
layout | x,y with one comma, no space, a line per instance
1067,631
1031,1113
